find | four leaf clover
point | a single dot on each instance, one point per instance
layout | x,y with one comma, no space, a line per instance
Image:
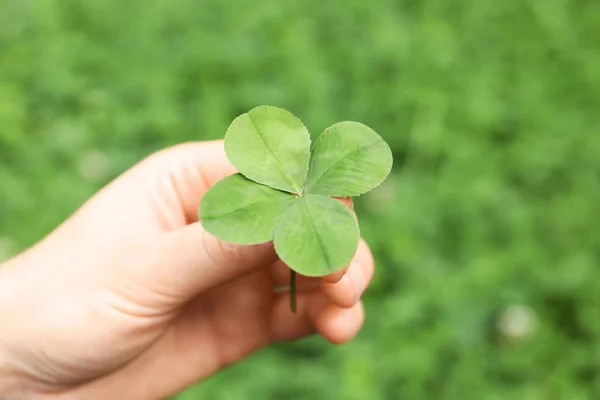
284,188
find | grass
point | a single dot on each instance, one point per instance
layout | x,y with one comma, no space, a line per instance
486,235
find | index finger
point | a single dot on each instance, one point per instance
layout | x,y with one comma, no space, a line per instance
190,169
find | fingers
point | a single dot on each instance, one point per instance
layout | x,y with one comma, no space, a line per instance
340,325
336,276
344,290
188,170
332,309
315,314
281,271
347,201
189,261
347,291
286,325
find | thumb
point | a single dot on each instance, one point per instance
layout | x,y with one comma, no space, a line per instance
187,260
200,261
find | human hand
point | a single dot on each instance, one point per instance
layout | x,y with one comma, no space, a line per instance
130,298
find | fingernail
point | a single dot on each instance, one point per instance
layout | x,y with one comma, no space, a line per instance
334,277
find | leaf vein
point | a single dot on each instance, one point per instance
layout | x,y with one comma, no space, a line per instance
321,245
238,210
290,180
342,158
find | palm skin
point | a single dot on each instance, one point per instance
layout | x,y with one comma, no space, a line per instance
132,289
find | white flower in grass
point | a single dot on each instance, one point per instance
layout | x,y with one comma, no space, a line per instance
516,322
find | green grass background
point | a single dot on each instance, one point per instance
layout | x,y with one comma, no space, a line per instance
486,234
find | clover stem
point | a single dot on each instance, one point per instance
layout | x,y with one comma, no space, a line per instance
293,290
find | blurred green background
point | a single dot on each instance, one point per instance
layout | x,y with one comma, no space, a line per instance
486,234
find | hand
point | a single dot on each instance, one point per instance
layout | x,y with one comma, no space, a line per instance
130,298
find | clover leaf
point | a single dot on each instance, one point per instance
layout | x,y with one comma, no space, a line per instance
284,189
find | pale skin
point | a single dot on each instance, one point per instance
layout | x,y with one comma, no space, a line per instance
130,298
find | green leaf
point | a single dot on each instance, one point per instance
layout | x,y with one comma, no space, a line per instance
316,235
238,210
348,159
270,146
